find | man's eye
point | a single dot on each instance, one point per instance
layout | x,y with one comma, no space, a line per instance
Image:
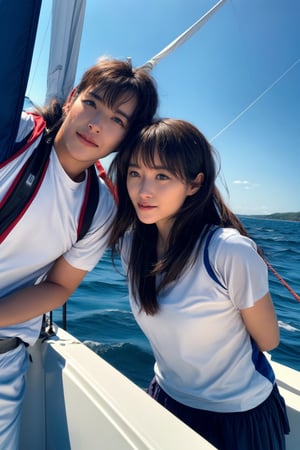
89,102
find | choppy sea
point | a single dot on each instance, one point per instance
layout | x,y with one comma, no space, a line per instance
98,313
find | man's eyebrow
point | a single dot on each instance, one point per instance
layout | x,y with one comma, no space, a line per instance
100,99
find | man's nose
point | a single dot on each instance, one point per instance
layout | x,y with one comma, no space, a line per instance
95,128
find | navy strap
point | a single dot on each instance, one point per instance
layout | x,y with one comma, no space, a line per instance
207,264
89,204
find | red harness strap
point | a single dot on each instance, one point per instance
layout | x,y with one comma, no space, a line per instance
29,179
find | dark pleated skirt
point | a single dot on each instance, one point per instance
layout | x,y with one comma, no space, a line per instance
261,428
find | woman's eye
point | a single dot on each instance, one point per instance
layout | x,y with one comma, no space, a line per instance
119,121
162,176
133,173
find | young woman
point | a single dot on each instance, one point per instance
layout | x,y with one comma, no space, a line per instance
198,288
41,259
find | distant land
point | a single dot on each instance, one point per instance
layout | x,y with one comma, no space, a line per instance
293,216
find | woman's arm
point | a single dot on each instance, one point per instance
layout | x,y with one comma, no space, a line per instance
33,301
261,323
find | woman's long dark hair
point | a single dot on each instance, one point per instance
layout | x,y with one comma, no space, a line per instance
185,152
116,80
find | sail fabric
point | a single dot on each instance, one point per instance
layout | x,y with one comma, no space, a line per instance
17,38
67,24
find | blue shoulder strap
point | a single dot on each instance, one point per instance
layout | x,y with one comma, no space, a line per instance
207,264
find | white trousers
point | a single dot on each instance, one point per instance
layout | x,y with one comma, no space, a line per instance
13,368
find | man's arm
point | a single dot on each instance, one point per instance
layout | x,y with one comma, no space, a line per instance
33,301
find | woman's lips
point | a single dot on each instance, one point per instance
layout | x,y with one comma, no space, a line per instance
145,207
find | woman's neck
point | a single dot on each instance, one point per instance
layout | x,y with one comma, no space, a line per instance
162,246
163,231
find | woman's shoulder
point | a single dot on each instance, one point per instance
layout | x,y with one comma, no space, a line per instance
229,238
227,246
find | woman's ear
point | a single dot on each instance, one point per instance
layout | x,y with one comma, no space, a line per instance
196,184
70,99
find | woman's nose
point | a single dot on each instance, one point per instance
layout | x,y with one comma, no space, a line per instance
146,188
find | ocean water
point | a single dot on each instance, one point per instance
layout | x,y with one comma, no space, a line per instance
98,313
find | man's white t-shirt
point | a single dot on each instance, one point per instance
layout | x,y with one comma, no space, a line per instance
48,230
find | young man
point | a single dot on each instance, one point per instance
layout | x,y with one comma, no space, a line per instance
42,261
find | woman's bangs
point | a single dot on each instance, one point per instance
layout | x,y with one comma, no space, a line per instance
151,155
144,154
171,158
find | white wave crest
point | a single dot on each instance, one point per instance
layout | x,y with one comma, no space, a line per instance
286,326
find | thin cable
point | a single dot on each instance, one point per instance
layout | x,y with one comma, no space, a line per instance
39,56
285,284
256,100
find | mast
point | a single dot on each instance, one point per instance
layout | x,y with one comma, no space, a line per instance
17,38
182,38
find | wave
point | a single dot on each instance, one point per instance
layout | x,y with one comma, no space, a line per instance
131,360
287,327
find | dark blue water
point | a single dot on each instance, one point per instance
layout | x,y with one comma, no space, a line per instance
99,313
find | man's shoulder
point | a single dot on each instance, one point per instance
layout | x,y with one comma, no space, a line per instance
26,125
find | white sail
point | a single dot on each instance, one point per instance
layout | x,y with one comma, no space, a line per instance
66,30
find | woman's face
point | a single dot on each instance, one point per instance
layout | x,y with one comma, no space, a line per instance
156,193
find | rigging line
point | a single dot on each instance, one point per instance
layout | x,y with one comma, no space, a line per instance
256,100
181,39
39,56
285,284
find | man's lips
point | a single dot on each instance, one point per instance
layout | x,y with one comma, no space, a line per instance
87,140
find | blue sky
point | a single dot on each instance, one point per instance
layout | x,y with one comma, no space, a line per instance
237,79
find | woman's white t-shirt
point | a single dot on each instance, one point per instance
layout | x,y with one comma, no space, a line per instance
204,356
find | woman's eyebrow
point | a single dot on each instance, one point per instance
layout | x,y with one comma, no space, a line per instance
100,99
155,167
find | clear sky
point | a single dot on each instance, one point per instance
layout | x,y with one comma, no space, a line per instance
237,79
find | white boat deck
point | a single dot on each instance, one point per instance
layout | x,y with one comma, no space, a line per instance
77,401
288,381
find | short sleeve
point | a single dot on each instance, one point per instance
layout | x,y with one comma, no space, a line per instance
86,252
241,268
